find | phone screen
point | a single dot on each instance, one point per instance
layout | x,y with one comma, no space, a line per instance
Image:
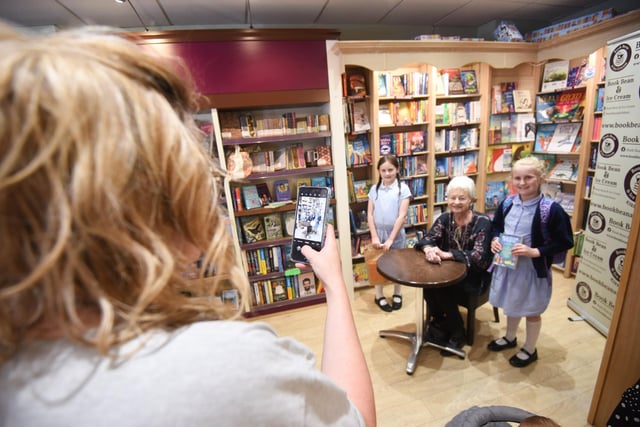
310,221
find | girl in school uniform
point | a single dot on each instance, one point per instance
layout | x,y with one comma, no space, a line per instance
545,230
387,210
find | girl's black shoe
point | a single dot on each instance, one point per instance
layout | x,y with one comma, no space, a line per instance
383,304
521,363
496,346
396,302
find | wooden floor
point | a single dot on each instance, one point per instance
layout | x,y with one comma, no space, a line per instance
559,385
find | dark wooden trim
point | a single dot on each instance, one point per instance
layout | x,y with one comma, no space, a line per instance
264,99
202,35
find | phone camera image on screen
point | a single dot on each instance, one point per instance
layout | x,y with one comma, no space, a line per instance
311,213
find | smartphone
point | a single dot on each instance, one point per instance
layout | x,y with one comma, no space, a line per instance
310,221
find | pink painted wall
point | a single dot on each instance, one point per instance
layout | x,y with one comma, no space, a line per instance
253,66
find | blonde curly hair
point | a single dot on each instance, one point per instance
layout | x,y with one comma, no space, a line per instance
103,183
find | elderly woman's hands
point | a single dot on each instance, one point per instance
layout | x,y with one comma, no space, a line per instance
436,255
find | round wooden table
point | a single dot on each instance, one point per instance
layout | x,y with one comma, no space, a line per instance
409,267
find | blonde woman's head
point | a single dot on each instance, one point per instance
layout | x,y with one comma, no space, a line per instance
106,194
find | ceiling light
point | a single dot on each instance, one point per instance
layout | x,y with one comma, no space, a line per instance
121,1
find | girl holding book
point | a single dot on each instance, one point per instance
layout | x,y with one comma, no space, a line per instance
523,289
387,210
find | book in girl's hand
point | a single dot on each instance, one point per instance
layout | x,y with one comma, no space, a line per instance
505,257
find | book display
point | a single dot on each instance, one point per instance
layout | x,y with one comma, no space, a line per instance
457,129
565,115
283,144
359,155
403,130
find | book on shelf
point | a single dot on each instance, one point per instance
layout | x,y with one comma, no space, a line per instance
357,85
278,289
569,106
361,189
566,200
280,159
319,181
421,166
599,99
273,226
302,182
397,87
549,161
382,85
359,117
252,229
505,258
442,83
324,155
554,76
545,106
468,138
593,157
597,128
264,193
506,97
250,197
544,133
386,144
306,284
470,161
384,114
295,157
247,125
500,159
564,138
588,185
358,150
442,166
282,190
469,81
404,112
576,75
495,193
525,127
550,189
454,81
416,141
288,223
519,151
522,102
564,170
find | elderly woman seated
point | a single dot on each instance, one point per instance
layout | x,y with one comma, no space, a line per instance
463,235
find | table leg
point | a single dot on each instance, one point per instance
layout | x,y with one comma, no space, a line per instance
416,338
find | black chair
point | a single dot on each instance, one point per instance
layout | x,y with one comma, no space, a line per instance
471,302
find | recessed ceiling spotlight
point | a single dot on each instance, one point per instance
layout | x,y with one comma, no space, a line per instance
121,1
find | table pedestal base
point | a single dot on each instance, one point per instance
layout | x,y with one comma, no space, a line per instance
416,338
